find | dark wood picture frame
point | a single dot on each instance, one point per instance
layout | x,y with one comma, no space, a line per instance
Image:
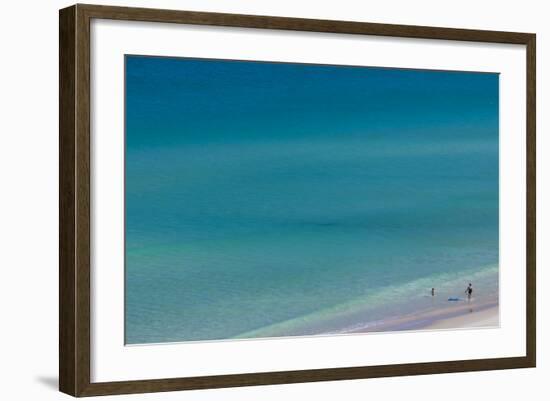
74,200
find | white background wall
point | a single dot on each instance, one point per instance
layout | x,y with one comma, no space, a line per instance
28,200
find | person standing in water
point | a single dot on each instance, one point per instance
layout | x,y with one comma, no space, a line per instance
469,291
433,292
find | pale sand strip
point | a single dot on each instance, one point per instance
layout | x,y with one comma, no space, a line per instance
484,318
462,315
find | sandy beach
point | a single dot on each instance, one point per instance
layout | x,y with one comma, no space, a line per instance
462,315
488,317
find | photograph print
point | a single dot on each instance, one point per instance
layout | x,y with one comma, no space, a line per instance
270,199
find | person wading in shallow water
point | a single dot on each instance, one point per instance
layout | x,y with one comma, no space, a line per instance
469,291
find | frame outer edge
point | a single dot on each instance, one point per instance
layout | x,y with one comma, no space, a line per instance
531,323
82,200
302,24
67,225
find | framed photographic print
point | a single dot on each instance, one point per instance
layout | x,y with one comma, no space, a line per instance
250,200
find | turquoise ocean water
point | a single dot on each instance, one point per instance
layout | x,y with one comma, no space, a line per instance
267,199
